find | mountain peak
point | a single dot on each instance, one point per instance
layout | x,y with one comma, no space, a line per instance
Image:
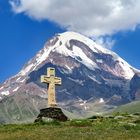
78,46
69,35
84,51
90,74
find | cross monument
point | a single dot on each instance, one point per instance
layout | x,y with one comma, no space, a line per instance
51,81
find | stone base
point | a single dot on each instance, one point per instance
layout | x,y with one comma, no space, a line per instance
53,113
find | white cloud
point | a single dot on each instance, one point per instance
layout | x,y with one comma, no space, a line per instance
106,42
90,17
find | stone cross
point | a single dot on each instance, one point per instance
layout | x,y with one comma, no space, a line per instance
51,80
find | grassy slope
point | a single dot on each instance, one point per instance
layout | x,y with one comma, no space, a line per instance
130,108
98,129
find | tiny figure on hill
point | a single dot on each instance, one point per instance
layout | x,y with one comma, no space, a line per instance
52,111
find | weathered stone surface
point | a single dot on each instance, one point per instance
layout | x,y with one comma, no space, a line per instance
51,80
53,113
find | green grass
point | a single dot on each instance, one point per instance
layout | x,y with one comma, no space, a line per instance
125,127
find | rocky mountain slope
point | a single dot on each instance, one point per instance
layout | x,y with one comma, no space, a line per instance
94,79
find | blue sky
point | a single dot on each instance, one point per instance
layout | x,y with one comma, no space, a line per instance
24,29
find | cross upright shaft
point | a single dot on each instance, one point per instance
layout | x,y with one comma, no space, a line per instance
51,80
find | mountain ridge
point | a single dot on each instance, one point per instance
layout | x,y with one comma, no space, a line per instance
94,79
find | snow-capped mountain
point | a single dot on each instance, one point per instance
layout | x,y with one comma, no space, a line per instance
93,78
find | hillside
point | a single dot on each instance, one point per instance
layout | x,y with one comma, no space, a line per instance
132,107
126,127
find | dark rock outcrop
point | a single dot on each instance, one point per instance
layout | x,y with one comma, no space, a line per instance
52,113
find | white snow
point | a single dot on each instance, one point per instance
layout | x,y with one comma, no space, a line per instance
94,79
85,60
18,79
21,81
81,104
76,81
16,89
70,69
99,60
68,93
44,56
86,107
128,72
80,100
101,100
85,101
26,70
77,53
65,37
5,93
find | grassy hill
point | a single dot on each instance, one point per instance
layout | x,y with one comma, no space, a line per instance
132,107
95,128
